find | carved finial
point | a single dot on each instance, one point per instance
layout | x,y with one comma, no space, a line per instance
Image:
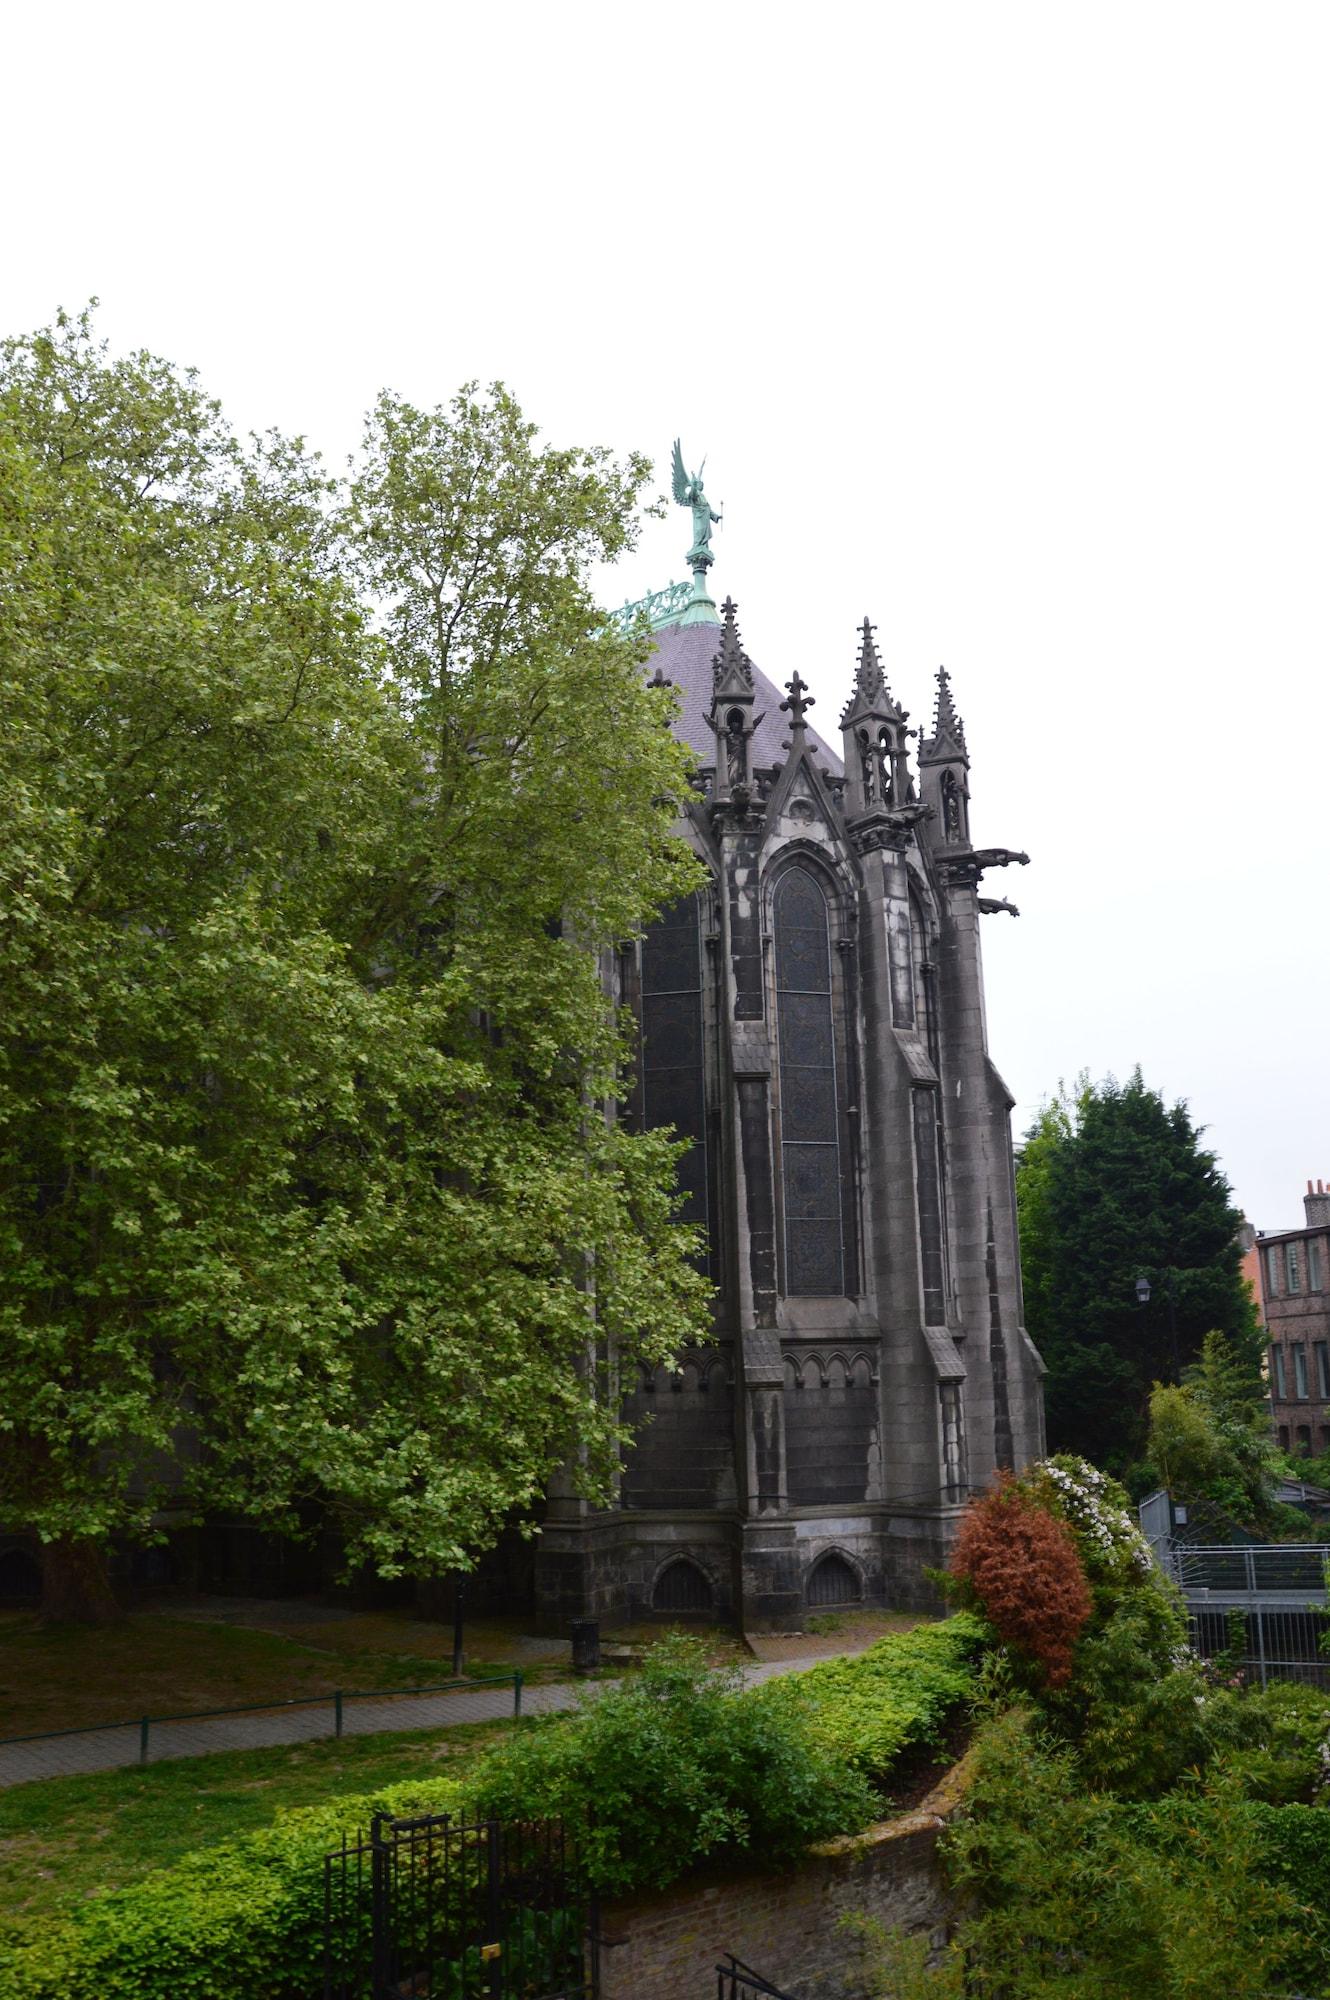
799,700
948,723
869,679
660,680
731,665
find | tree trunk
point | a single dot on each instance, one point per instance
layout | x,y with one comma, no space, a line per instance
76,1589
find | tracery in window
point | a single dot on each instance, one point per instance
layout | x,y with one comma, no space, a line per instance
809,1109
673,1050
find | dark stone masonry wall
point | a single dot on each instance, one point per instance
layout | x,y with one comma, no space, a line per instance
789,1926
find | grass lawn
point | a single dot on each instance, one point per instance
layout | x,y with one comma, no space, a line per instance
63,1838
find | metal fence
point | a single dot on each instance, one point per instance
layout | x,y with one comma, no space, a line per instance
1261,1609
459,1909
1273,1642
135,1744
1226,1570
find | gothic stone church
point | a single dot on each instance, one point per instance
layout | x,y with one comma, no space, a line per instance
813,1021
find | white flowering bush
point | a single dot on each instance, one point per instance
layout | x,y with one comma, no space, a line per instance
1098,1513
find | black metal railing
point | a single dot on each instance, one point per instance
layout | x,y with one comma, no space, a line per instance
136,1732
458,1909
737,1981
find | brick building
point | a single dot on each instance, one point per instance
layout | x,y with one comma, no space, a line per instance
1294,1271
813,1020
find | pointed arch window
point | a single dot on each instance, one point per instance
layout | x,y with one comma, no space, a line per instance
809,1107
673,1051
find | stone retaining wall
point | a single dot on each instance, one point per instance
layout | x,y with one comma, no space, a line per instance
666,1946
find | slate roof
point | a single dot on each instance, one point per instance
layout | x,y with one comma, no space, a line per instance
684,654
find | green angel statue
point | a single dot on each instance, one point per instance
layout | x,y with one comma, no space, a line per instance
688,492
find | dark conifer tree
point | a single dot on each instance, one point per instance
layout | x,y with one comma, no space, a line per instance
1113,1185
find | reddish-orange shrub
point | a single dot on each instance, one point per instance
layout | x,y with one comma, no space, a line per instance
1025,1569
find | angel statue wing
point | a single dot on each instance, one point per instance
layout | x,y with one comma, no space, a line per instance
681,480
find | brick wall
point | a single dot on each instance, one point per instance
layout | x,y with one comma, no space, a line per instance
787,1926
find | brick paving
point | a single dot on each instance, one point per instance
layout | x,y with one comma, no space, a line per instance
111,1749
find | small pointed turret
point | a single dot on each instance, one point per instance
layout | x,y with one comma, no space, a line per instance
874,729
731,670
944,768
732,710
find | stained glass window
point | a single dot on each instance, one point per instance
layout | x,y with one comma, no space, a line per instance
673,1064
809,1111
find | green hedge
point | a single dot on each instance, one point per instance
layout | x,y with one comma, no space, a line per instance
675,1764
897,1697
242,1919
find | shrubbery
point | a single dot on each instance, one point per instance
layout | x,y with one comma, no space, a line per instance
673,1765
1025,1572
1078,1894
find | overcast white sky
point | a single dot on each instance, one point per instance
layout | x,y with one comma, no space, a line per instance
1004,323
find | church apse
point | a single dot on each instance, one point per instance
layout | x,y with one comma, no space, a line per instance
812,1023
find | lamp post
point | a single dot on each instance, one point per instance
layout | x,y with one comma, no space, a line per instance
459,1593
1143,1290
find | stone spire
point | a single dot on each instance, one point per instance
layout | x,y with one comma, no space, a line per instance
947,724
870,680
731,669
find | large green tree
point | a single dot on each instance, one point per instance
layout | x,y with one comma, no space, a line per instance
318,807
1113,1185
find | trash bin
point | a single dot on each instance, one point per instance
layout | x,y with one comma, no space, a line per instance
586,1645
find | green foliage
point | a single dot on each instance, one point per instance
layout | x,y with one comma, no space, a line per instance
1079,1896
1135,1707
241,1918
1112,1183
1273,1741
896,1964
1209,1441
896,1697
673,1765
63,1840
317,809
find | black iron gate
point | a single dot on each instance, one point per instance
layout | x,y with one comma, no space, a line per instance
455,1909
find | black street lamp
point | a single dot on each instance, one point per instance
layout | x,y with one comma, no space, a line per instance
459,1594
1143,1290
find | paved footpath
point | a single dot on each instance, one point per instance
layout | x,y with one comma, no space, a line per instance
110,1749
